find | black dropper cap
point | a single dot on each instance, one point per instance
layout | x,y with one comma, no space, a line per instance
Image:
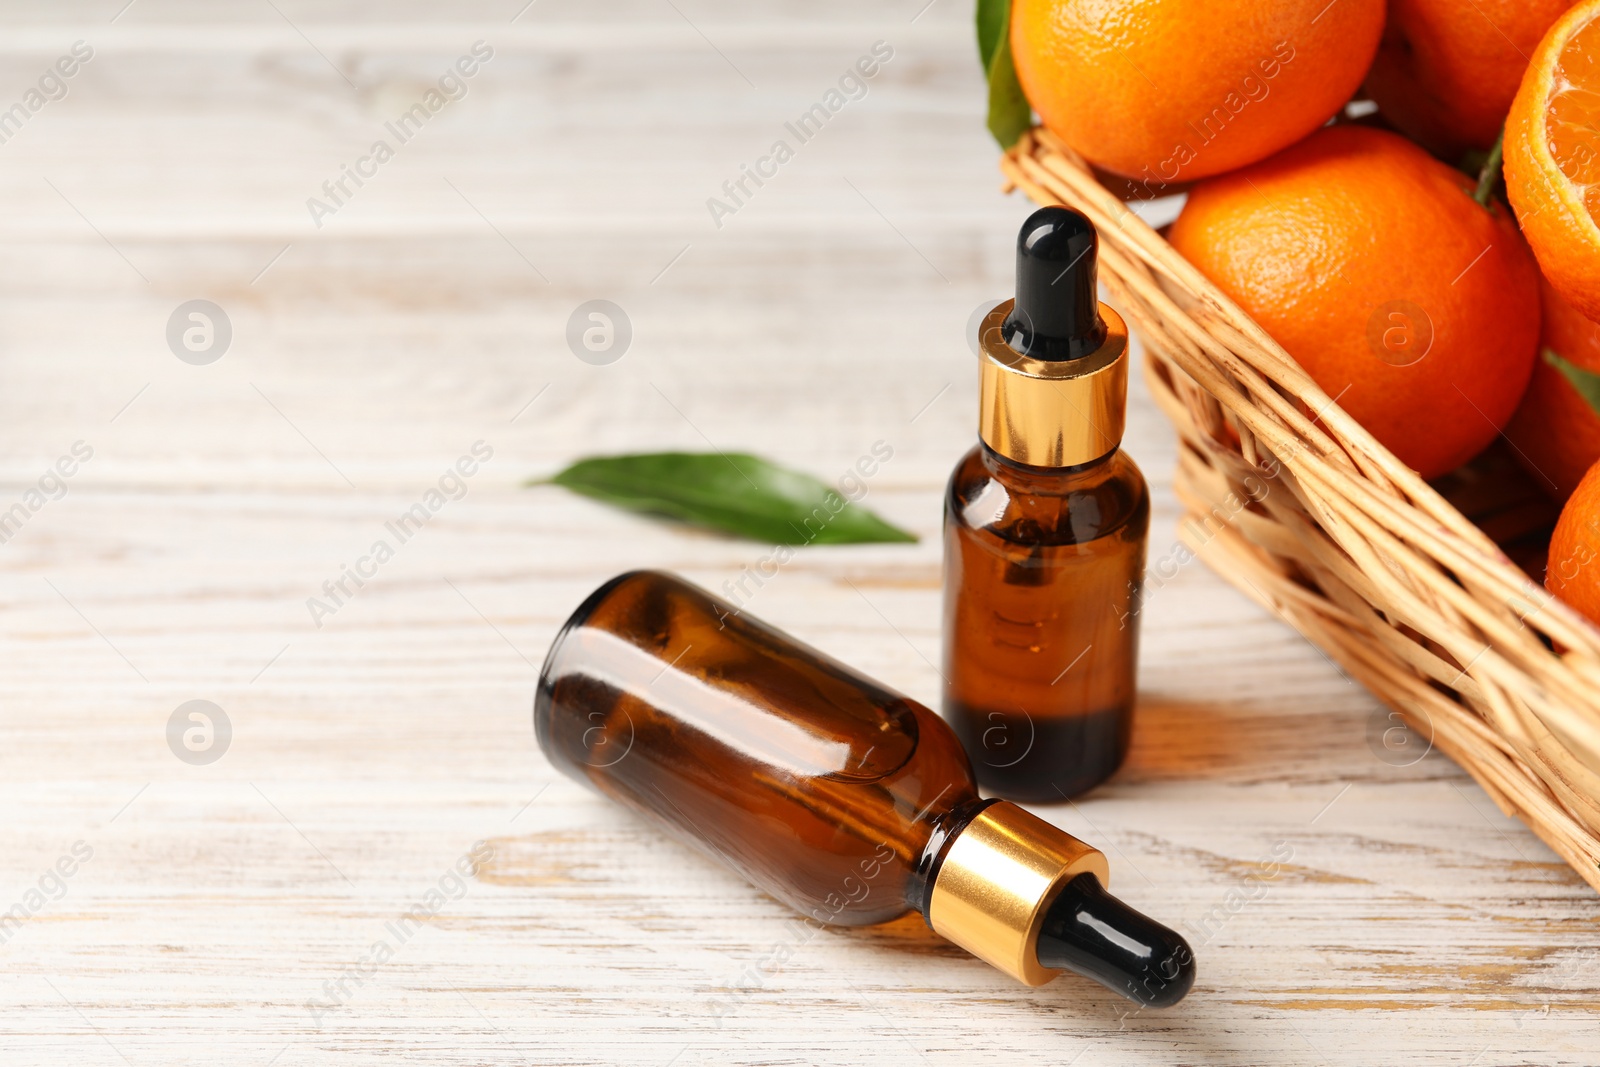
1057,312
1090,932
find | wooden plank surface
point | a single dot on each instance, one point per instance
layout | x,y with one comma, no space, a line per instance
225,913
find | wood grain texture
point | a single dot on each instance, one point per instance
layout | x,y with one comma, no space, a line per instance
1411,922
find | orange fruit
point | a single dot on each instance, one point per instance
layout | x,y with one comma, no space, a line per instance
1413,307
1173,90
1446,71
1573,573
1555,433
1553,156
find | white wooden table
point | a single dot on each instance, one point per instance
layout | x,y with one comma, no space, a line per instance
228,913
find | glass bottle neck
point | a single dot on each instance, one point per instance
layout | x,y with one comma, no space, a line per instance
919,890
1021,474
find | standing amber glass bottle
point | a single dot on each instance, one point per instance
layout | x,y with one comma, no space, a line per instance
1045,528
843,799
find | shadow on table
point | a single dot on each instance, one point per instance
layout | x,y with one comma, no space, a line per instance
1180,740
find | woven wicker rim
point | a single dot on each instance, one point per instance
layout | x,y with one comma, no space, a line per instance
1359,554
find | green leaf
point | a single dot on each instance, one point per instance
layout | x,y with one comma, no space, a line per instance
994,19
1009,113
1489,176
734,492
1586,382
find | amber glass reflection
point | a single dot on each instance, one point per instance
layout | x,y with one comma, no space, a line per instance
1043,570
817,784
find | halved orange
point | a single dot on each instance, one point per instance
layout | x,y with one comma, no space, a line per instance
1552,156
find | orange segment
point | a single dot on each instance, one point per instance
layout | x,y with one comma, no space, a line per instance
1552,156
1572,121
1580,62
1572,118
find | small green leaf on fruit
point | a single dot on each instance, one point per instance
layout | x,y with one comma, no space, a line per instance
733,492
1489,174
1586,382
1009,113
994,24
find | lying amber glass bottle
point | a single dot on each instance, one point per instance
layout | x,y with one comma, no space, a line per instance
850,803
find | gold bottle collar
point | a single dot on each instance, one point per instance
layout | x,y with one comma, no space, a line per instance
998,878
1052,414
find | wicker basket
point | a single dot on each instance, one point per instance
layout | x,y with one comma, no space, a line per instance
1311,517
